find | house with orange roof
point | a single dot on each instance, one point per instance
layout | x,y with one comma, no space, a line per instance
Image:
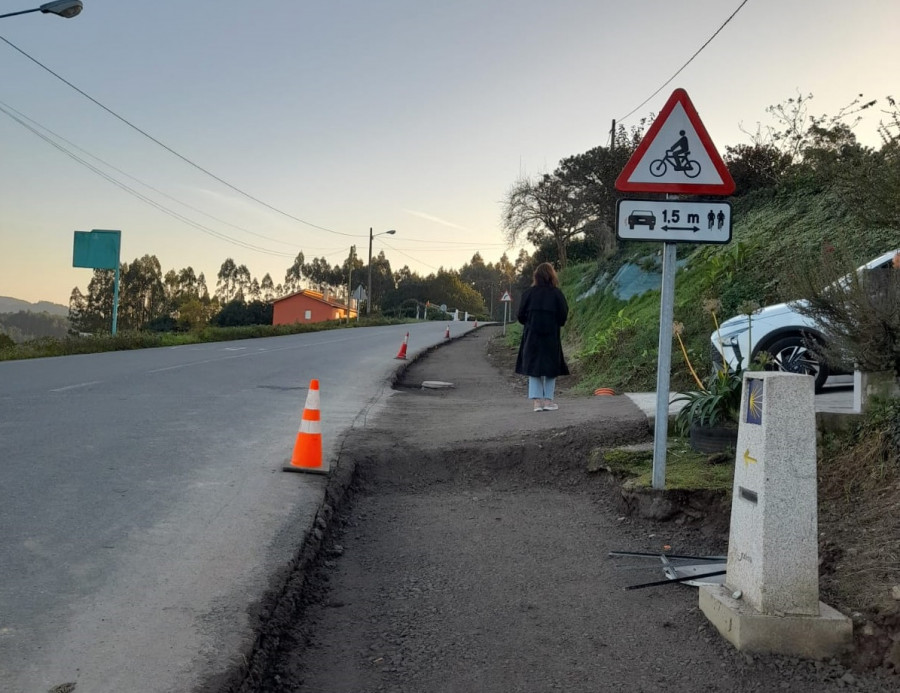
308,306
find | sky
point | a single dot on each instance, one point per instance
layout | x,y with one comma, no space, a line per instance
342,116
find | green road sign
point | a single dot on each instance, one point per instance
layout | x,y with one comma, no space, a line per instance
97,249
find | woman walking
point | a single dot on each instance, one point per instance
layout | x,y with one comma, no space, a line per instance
543,311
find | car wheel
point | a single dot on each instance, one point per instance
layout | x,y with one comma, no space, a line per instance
793,355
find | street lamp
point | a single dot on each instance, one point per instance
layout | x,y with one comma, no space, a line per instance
63,8
369,294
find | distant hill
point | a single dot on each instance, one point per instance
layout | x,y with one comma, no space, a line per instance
15,305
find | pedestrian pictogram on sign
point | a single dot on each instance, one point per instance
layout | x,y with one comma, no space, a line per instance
673,221
676,155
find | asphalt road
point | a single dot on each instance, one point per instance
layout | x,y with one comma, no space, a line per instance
143,510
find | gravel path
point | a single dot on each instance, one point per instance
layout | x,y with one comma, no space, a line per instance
471,553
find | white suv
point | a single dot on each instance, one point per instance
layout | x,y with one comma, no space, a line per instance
784,333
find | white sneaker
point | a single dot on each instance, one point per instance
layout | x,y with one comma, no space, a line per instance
552,406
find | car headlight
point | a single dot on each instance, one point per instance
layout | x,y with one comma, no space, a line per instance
729,335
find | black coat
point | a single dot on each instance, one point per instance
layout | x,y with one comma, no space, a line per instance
543,311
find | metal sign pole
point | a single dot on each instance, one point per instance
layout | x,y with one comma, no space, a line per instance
115,315
117,238
664,365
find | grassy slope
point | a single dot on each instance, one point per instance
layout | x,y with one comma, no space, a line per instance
614,343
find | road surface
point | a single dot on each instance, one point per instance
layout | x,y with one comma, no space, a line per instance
142,503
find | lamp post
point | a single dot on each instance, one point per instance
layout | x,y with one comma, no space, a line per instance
350,281
369,290
62,8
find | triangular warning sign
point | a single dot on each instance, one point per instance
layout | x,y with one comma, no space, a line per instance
676,155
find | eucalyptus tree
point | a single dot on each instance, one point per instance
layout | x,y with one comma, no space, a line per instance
294,275
226,284
267,288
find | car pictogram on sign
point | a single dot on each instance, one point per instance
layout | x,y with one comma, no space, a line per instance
641,217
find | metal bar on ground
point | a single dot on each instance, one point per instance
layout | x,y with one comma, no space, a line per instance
675,580
667,555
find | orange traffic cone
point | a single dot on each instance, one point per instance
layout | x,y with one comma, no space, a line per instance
402,353
447,333
307,455
600,391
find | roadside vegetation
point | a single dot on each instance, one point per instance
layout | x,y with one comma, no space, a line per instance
686,469
127,340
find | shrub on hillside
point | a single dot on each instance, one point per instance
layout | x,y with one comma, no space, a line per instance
862,311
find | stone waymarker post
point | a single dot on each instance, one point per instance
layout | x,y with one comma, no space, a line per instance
770,599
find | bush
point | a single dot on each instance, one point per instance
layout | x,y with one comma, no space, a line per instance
238,313
165,323
862,311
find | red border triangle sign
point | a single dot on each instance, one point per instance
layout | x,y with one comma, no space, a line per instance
676,155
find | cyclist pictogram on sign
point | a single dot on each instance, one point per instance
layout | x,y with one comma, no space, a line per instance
676,155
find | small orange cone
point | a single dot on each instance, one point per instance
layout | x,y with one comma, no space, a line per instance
600,391
447,333
402,353
307,455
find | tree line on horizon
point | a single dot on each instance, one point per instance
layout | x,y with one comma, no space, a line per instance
180,300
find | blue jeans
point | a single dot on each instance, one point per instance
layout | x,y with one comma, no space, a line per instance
541,387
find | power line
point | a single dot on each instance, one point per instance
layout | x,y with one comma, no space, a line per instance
172,151
463,243
35,128
708,41
137,180
474,248
147,200
410,257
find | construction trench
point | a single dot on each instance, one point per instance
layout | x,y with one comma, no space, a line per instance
464,546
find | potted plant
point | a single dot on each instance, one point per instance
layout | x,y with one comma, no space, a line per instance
710,414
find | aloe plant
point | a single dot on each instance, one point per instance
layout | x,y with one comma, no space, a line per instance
716,405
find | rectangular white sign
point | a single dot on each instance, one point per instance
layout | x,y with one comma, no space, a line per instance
673,221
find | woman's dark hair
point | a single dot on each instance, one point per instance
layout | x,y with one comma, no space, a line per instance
545,275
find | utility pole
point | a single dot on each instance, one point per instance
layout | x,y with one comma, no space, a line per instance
350,279
369,295
369,290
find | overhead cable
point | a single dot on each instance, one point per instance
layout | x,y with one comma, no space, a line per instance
678,72
6,107
147,200
172,151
